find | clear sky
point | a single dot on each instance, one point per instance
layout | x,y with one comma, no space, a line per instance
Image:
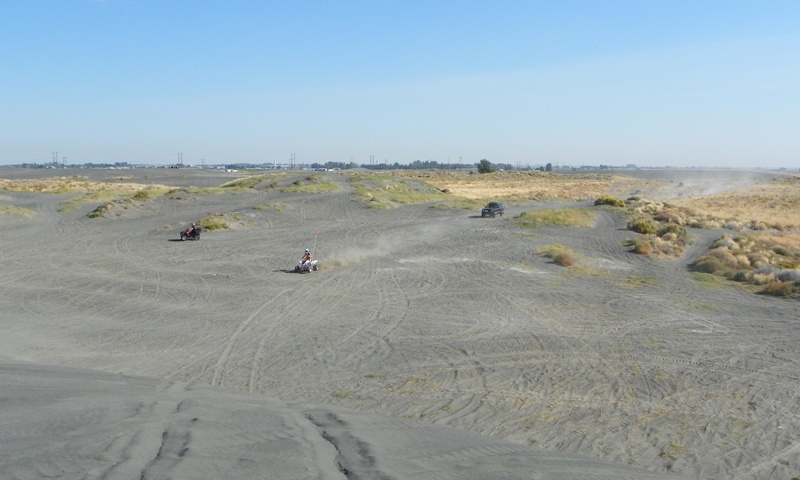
655,83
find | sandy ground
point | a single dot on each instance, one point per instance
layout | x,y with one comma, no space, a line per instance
432,344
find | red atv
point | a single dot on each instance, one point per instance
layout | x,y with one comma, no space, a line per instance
191,233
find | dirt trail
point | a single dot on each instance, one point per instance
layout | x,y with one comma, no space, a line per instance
426,314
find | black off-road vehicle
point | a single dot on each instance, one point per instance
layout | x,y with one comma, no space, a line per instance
493,208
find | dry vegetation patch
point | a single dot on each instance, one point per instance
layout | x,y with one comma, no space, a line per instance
661,226
112,195
521,185
770,204
765,255
768,261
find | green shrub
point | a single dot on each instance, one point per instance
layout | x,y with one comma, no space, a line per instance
643,225
609,200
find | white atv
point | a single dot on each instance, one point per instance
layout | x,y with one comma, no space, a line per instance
305,266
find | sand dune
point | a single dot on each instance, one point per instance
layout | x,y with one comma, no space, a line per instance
433,344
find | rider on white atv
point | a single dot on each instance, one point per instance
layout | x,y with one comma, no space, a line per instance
306,264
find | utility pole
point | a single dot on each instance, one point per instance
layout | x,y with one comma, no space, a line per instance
55,157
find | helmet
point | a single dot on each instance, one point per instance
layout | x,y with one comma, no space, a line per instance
308,251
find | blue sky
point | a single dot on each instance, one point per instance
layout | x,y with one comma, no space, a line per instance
655,83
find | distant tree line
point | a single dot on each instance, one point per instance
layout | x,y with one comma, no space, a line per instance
483,166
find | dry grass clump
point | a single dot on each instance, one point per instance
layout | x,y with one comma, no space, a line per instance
560,254
769,261
676,216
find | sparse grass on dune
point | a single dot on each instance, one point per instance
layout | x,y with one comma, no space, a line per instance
112,199
60,185
268,180
10,211
110,194
312,183
633,282
387,191
559,217
321,187
279,207
178,192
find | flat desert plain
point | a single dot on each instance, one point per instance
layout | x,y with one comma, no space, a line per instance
432,343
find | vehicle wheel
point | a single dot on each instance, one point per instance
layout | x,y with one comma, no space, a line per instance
296,269
183,237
